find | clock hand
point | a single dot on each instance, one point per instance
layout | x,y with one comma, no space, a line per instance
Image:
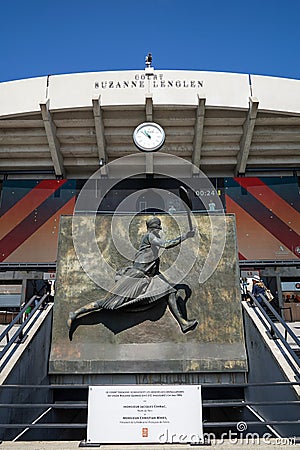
147,134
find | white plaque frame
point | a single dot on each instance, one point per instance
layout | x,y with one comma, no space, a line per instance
145,414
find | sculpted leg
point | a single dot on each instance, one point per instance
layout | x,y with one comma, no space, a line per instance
185,325
83,310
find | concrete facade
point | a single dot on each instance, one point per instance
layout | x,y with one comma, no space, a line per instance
226,124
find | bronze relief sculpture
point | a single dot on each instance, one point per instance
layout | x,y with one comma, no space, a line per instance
141,285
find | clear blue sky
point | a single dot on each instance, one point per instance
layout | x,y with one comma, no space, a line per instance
42,37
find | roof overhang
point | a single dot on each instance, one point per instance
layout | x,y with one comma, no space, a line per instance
226,124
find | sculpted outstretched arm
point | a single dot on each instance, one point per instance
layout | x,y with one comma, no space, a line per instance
162,243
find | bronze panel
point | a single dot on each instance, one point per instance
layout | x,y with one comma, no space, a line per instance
149,341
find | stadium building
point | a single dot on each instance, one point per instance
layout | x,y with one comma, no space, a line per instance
69,148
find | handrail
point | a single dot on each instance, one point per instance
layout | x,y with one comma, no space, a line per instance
19,333
204,385
17,318
54,423
275,331
280,319
205,403
205,424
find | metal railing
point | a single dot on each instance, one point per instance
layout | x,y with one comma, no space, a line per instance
20,334
43,421
274,331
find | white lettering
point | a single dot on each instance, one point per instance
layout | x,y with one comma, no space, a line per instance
233,438
252,438
163,438
195,439
182,437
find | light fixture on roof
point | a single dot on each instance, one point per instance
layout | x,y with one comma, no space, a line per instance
148,61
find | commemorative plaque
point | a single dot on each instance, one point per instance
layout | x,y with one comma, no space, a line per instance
145,414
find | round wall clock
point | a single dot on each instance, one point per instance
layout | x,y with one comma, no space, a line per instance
149,137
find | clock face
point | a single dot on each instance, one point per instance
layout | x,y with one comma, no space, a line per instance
149,136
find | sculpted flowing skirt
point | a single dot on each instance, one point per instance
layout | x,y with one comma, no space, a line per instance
135,289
